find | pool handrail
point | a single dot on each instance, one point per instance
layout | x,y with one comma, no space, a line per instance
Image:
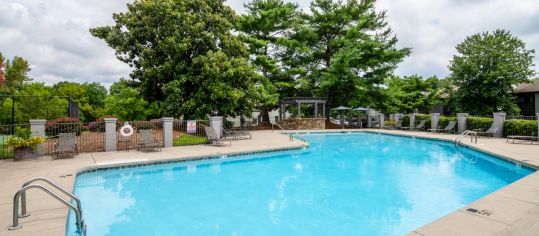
291,137
81,227
470,133
56,186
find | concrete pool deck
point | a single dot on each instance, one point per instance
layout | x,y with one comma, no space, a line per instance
512,210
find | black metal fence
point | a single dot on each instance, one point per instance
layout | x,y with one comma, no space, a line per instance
520,126
6,132
189,132
90,136
126,142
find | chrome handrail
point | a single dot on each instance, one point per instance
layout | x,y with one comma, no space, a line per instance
81,228
291,138
470,133
23,194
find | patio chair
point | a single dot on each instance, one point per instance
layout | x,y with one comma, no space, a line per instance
212,137
532,138
420,126
66,145
148,141
237,134
449,128
489,133
396,126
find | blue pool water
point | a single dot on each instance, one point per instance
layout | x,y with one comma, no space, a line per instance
343,184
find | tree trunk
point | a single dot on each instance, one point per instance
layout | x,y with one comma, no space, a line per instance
264,112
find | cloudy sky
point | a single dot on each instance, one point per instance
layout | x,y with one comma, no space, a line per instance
53,34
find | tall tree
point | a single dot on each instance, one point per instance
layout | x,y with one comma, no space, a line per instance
352,51
266,28
486,67
125,102
15,74
176,48
408,93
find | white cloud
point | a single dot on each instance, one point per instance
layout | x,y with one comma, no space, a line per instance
53,34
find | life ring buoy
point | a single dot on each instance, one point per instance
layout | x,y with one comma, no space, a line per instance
126,130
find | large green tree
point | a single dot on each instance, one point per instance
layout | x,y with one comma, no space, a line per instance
351,51
267,27
15,74
125,103
486,67
183,51
408,93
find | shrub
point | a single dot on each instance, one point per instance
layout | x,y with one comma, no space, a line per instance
444,121
63,125
406,120
22,138
420,117
520,127
390,123
479,122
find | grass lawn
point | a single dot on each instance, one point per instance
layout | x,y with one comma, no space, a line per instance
189,139
4,152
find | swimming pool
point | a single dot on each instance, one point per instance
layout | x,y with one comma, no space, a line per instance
343,184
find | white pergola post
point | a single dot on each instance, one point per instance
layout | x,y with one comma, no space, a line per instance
412,121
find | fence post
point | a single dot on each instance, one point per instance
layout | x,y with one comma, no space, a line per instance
110,134
381,118
398,117
38,129
462,119
412,121
216,123
499,120
168,131
537,117
434,118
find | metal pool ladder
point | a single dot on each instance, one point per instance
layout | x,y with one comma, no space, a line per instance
21,194
472,134
290,135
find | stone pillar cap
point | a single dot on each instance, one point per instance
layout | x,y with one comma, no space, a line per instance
167,118
38,122
110,120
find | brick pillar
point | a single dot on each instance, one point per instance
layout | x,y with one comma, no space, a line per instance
499,120
38,130
462,119
412,121
380,120
168,130
110,134
216,123
434,119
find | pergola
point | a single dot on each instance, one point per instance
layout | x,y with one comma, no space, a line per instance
298,101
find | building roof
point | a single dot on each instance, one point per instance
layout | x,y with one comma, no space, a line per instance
527,87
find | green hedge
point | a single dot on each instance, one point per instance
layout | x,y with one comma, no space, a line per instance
444,121
426,117
405,121
479,122
520,127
